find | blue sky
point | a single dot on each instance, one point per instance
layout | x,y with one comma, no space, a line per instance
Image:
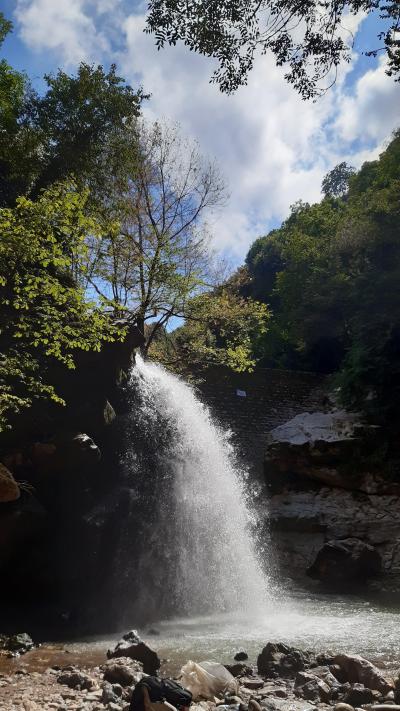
272,147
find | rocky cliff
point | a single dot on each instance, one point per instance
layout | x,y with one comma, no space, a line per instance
60,496
334,496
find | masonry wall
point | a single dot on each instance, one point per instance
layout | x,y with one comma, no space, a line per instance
271,398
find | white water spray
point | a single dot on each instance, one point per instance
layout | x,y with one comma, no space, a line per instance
203,514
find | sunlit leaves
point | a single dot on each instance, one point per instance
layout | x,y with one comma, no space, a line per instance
45,315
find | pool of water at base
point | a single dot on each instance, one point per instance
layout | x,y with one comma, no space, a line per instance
308,621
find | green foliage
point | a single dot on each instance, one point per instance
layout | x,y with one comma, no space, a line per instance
156,257
45,317
221,328
331,273
336,182
79,128
83,120
305,37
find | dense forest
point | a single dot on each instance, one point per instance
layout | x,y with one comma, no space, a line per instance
104,224
329,278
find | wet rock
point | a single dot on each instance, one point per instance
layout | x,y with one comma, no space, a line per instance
317,446
359,695
345,561
109,695
123,670
239,669
112,706
132,646
9,489
279,660
343,707
19,643
76,679
324,673
241,656
311,687
253,683
359,670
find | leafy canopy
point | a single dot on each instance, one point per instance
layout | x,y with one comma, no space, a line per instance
307,37
45,317
78,129
221,328
331,275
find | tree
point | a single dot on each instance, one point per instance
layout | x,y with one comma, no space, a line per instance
83,120
78,129
221,328
156,255
331,273
306,36
336,182
45,316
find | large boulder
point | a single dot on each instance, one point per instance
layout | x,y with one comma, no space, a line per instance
123,671
332,448
18,643
311,687
356,669
75,678
280,660
132,646
345,561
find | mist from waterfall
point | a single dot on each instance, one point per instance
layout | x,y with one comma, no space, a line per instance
201,535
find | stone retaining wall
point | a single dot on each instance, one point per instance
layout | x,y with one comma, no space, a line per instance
271,398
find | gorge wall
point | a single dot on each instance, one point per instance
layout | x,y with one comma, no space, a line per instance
329,494
252,404
62,496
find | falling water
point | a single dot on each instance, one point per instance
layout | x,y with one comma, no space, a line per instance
202,523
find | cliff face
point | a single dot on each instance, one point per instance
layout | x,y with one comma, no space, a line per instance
60,495
334,511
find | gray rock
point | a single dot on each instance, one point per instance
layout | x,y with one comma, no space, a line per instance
311,687
345,561
254,683
122,670
239,669
343,707
241,656
359,670
109,695
20,643
132,646
359,695
75,679
280,660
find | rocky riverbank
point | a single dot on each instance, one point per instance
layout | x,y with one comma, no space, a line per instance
334,501
282,679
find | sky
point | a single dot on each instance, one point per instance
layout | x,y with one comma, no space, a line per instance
272,147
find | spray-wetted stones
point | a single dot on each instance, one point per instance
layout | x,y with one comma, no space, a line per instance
132,646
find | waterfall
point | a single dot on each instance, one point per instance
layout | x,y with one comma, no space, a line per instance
200,550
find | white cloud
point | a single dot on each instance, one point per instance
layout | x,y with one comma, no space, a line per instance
372,111
62,26
272,147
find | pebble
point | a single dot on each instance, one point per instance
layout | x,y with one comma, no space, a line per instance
252,683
